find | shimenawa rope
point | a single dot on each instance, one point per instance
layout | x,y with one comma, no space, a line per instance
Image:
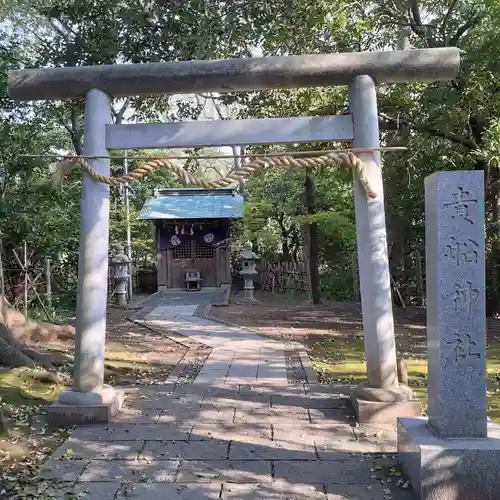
348,159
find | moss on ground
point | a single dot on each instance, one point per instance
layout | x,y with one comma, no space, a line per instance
340,358
25,440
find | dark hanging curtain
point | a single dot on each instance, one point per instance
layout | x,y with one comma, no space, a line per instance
173,235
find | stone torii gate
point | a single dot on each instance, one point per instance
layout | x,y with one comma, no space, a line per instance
381,397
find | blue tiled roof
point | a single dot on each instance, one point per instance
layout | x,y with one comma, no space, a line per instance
193,203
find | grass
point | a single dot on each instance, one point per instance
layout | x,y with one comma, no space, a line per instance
341,359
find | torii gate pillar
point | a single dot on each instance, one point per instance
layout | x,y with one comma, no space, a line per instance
381,399
90,401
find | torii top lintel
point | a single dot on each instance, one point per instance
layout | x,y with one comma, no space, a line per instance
244,74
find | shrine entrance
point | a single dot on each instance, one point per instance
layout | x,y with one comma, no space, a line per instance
358,71
193,236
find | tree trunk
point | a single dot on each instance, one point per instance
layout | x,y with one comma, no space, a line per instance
478,127
285,247
493,256
312,228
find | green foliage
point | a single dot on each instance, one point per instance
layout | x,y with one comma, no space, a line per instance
447,125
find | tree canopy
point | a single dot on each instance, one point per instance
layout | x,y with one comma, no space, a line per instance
445,126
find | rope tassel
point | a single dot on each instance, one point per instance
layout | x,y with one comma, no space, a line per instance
349,160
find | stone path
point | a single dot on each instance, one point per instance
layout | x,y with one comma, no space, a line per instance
239,431
238,356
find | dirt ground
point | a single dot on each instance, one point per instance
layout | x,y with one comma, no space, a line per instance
276,315
333,336
137,355
134,355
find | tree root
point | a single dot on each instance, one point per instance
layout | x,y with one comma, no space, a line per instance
26,330
16,331
50,377
11,353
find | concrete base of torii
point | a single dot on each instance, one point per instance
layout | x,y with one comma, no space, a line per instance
85,408
384,406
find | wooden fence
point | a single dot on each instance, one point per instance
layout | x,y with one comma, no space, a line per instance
407,285
280,277
409,280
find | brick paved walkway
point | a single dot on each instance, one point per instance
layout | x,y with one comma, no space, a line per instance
240,431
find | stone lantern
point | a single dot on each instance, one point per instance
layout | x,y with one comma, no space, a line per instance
248,259
120,273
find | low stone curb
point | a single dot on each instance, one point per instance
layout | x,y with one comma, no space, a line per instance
188,368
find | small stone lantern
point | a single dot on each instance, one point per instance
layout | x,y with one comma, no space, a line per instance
120,273
248,260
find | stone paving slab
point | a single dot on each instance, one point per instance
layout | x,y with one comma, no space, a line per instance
235,401
187,450
191,416
130,470
241,380
349,470
276,490
336,450
240,431
151,432
328,414
136,416
304,433
313,401
234,471
161,299
215,361
343,390
269,378
265,459
84,491
273,389
203,391
271,450
93,432
275,416
374,433
279,490
245,433
207,374
159,400
244,368
62,470
155,491
169,416
107,450
173,311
